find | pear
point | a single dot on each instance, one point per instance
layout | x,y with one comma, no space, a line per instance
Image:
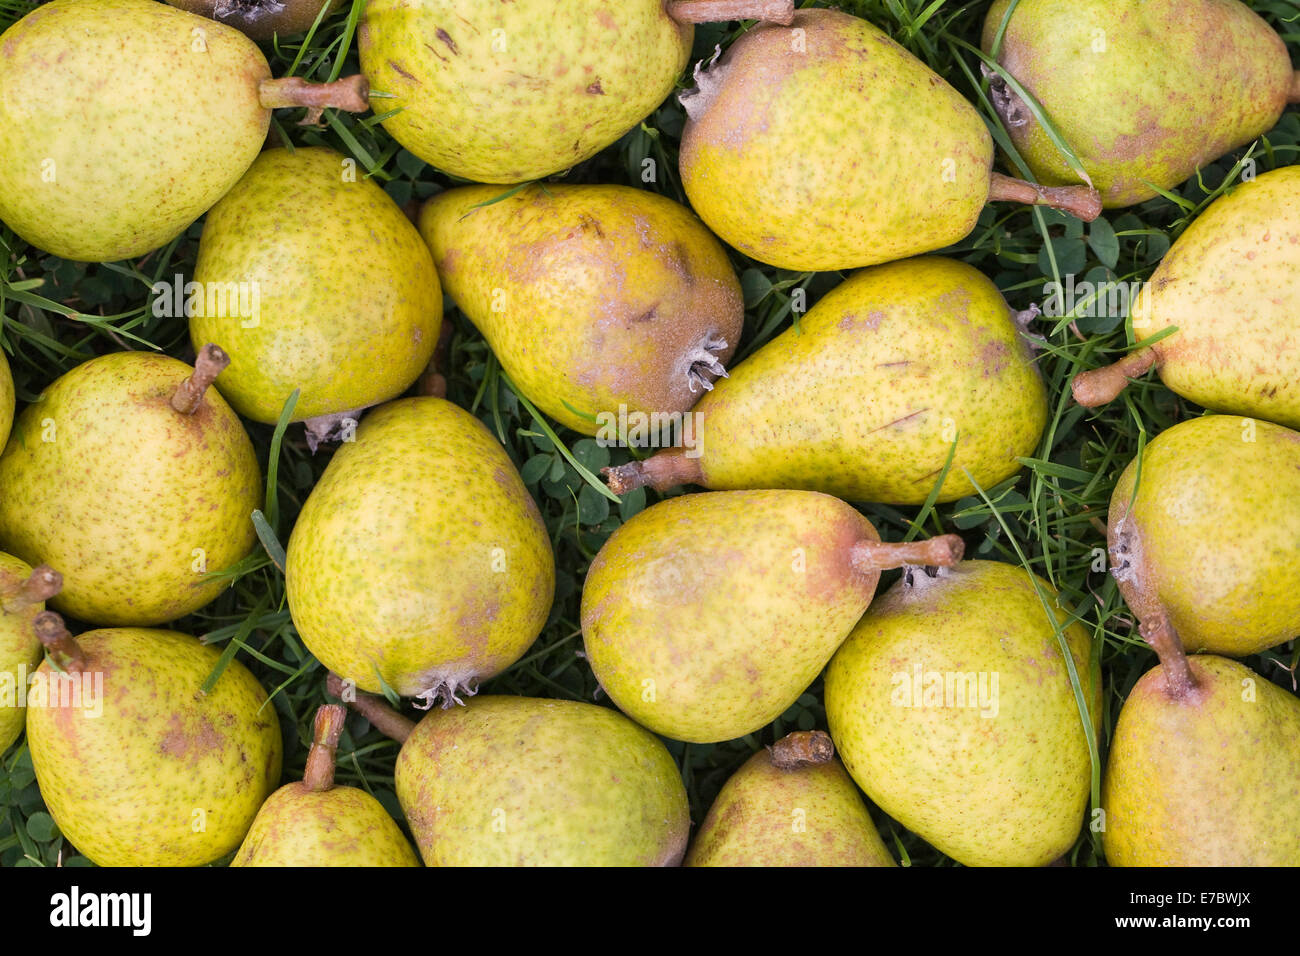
660,605
6,400
791,804
866,398
347,306
315,823
85,83
1236,349
135,479
952,707
594,298
521,781
1204,765
261,19
23,593
138,765
825,145
506,92
420,562
1204,529
1155,89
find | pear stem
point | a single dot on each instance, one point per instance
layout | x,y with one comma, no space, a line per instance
59,642
875,556
319,775
1103,385
211,362
351,93
668,469
384,719
1082,202
41,585
1293,93
1160,634
720,11
803,748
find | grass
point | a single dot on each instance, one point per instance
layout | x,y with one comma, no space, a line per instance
56,314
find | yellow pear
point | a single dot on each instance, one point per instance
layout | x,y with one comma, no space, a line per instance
23,593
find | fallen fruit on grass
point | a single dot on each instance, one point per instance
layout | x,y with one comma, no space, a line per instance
23,593
659,607
595,299
139,761
86,83
955,684
520,781
791,804
1204,531
343,304
900,367
1204,766
825,145
316,823
134,478
420,562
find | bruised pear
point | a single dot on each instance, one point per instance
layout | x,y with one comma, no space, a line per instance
595,299
261,20
1236,348
955,685
23,593
791,804
507,92
140,762
1204,530
134,478
315,823
85,83
900,367
825,145
660,619
344,303
519,781
420,562
1155,89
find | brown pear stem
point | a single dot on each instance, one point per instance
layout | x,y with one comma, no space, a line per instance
720,11
384,719
1082,202
803,748
1102,385
59,642
940,552
41,585
668,469
319,775
211,362
1293,93
351,93
1160,634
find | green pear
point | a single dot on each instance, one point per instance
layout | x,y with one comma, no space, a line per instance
507,92
139,763
1204,529
1236,349
6,400
315,823
136,480
952,706
420,562
1145,92
1204,766
23,593
593,298
520,781
791,804
866,398
261,19
86,82
343,301
825,145
660,605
